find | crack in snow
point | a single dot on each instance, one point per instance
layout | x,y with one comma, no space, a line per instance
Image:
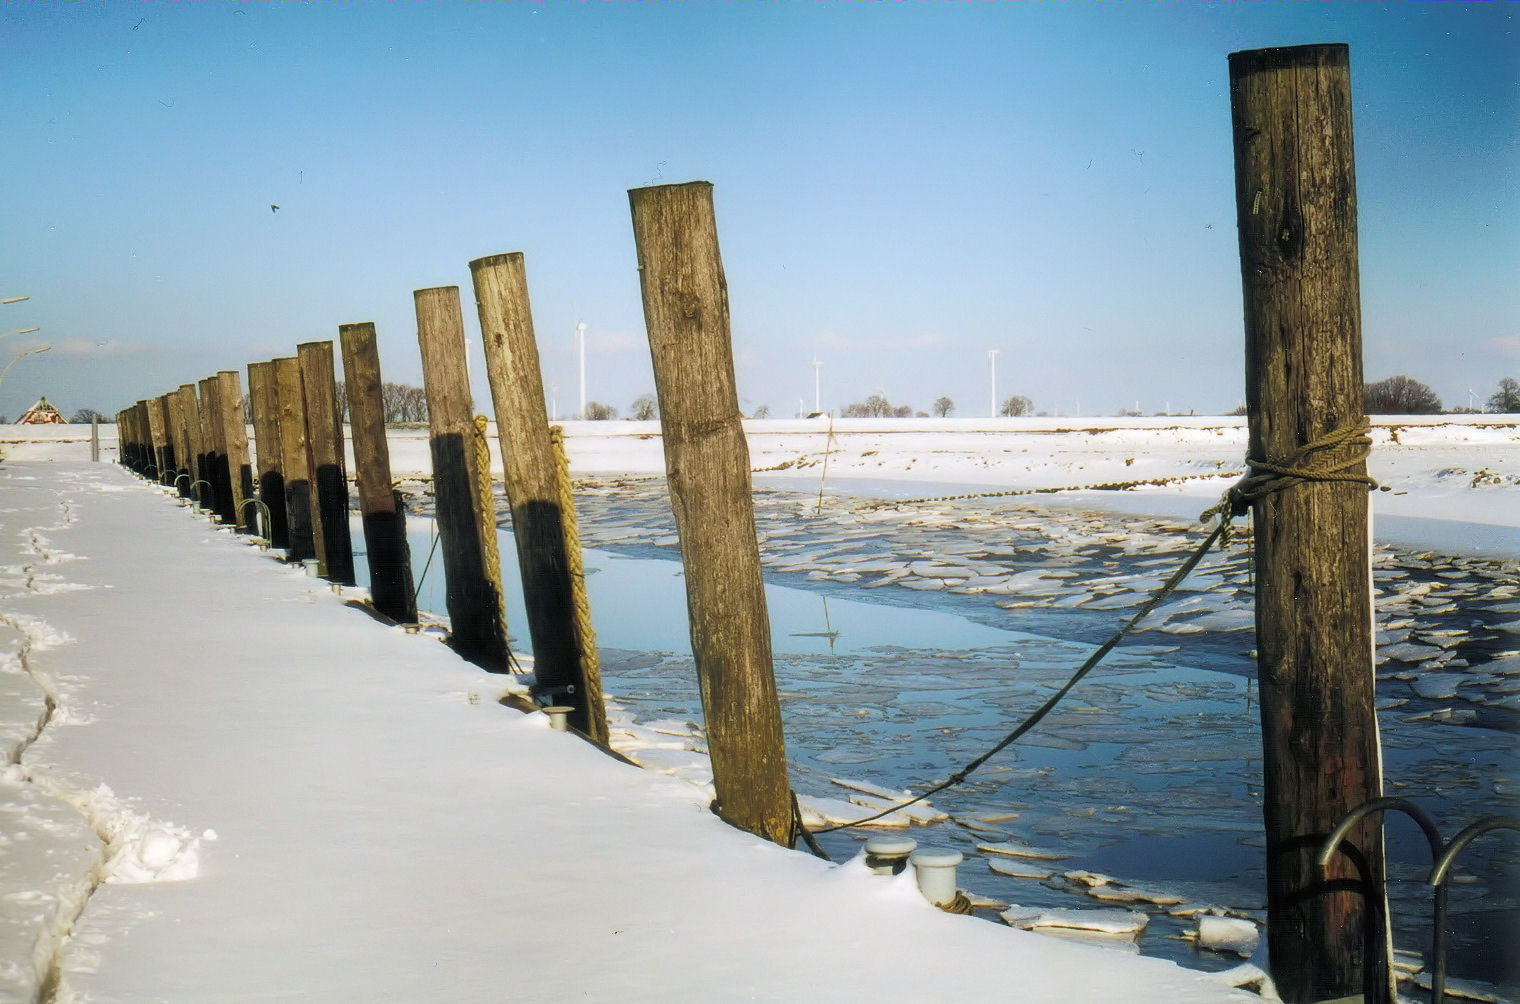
133,847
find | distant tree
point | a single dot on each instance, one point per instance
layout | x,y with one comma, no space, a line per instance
1506,400
1017,405
1464,410
1400,395
596,411
84,416
4,420
403,403
943,407
644,407
764,411
341,400
875,406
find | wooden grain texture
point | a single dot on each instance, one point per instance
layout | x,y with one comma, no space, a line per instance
477,627
380,506
707,466
214,438
235,438
538,524
158,436
335,549
263,395
1296,206
295,458
191,406
179,436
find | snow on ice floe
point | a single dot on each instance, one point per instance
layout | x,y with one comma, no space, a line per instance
1228,934
1121,922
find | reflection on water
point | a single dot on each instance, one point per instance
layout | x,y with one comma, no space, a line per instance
1149,772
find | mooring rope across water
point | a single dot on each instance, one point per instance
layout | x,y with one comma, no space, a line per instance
1310,463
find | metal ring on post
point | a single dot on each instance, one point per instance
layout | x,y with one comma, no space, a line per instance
199,504
1438,909
266,539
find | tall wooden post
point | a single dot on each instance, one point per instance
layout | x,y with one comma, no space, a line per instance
214,433
158,437
295,460
478,627
235,438
264,398
335,549
384,514
538,525
163,421
1295,191
179,437
707,465
190,405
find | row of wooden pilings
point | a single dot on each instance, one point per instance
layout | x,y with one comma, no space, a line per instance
1296,217
195,438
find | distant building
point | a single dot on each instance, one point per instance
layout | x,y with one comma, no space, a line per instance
42,413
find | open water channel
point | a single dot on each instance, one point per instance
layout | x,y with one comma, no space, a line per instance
910,638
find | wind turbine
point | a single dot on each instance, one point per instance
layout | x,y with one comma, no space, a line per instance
580,331
992,372
817,405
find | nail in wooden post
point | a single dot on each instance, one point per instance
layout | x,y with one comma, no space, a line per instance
1295,193
264,398
707,464
390,557
295,459
522,424
335,549
239,468
478,629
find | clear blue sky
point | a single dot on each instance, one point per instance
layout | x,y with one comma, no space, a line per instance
899,187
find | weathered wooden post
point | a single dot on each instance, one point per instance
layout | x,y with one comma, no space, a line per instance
295,460
264,399
178,438
1295,193
156,440
235,440
335,549
538,525
390,557
214,435
163,437
707,466
191,407
478,627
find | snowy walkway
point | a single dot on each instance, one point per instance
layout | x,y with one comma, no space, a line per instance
304,804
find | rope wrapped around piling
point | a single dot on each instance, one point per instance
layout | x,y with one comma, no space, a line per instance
585,633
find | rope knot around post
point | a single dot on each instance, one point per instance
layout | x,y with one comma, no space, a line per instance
1326,459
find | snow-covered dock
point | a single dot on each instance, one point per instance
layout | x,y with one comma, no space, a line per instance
299,802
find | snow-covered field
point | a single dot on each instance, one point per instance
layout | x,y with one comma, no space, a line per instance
225,785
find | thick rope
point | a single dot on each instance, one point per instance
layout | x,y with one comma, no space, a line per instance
1107,486
585,633
1307,464
486,506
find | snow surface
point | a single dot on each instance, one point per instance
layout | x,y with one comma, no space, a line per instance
242,789
225,783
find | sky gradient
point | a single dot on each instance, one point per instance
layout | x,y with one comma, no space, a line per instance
899,188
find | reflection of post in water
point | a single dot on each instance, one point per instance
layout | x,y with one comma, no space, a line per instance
828,628
477,626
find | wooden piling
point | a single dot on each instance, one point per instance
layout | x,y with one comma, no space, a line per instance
478,627
384,515
191,407
161,423
707,466
335,549
295,460
156,438
561,672
235,441
1295,195
264,399
214,436
179,435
